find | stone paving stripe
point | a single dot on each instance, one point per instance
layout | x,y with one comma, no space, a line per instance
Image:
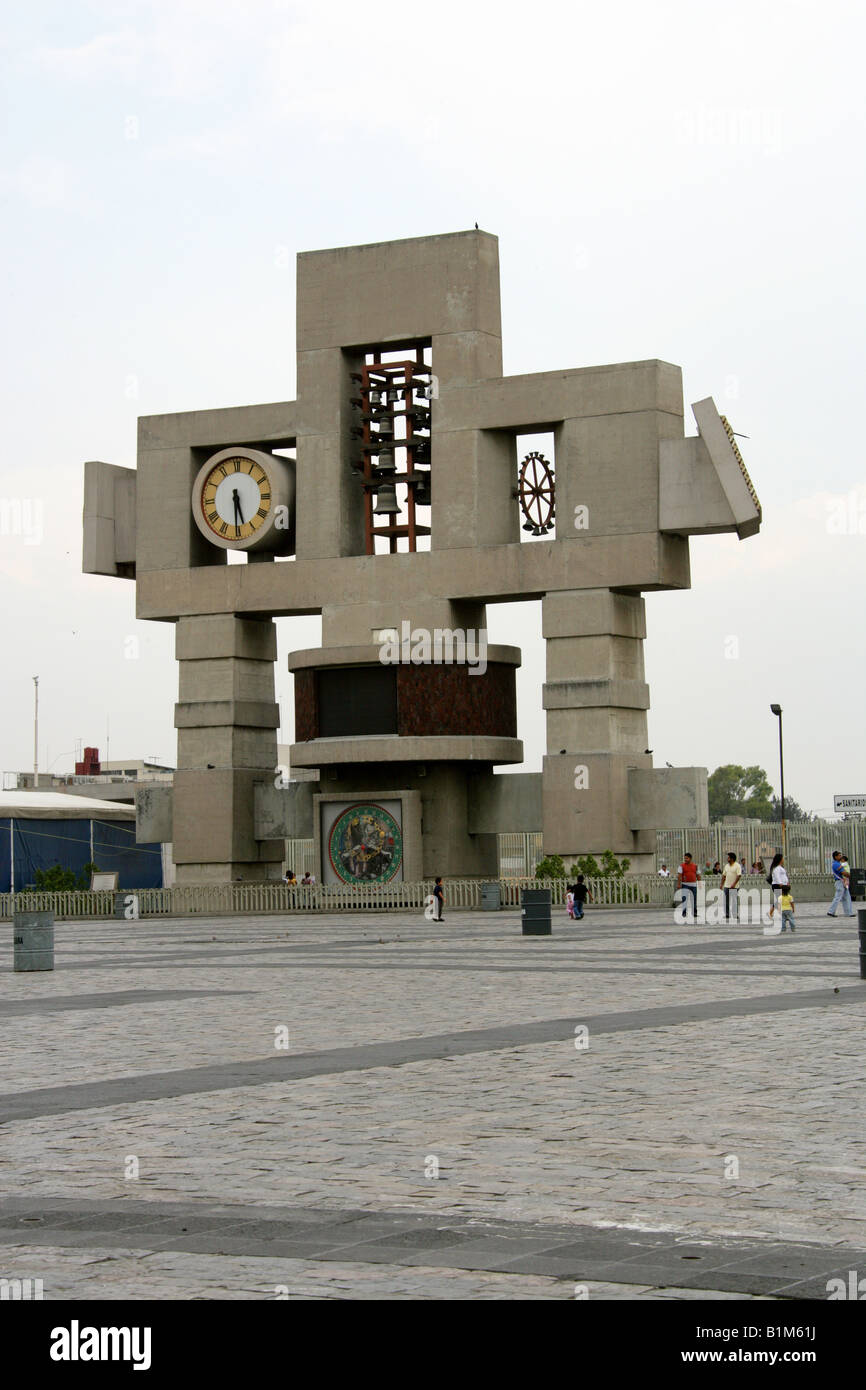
283,1067
581,1253
60,1003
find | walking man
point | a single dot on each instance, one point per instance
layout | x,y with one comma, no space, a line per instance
842,879
731,875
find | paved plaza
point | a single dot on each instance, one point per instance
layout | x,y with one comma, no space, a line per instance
377,1106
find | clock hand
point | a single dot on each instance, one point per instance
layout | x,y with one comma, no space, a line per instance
237,501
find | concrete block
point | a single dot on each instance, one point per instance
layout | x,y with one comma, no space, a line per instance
581,694
109,520
208,636
226,746
668,796
398,291
202,714
474,474
587,612
168,538
213,821
283,812
226,678
692,501
608,466
585,803
597,729
153,814
505,802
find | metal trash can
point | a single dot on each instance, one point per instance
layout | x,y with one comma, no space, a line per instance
861,932
33,941
126,905
858,884
535,903
491,898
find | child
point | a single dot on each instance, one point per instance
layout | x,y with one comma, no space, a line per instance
581,893
569,903
787,905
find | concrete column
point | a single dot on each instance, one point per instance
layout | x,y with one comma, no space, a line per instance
227,720
596,700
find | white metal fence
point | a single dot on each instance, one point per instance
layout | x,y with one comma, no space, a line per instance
810,844
239,899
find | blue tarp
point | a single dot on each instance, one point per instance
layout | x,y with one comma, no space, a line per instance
40,844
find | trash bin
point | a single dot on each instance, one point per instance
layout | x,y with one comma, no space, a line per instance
535,903
33,941
491,900
126,906
858,884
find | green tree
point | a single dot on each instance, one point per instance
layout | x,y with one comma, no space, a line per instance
739,791
793,809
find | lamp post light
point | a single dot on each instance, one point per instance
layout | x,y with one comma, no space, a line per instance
777,710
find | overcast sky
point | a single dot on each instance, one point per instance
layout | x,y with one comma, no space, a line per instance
678,180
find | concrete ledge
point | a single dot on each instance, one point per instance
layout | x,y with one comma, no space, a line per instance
385,748
320,657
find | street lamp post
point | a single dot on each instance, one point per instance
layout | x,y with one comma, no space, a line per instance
35,731
777,710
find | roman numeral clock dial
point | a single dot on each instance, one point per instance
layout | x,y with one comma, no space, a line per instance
244,499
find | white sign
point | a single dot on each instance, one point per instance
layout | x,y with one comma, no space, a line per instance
849,803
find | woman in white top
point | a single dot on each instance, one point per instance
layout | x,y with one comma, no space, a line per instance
779,875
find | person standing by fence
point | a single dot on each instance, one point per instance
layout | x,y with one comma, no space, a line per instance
688,878
731,875
439,900
778,880
842,878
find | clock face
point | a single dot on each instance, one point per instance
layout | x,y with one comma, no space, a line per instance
236,498
243,499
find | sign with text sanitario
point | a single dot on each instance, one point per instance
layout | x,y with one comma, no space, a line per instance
849,803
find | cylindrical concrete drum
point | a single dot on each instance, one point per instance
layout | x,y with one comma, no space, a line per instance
33,941
535,903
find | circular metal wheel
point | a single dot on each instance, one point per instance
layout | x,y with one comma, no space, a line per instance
536,493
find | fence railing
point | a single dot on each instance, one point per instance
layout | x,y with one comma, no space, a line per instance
250,899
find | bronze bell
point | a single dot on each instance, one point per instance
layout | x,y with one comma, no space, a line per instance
422,492
386,500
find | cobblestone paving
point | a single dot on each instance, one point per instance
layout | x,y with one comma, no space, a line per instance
748,1124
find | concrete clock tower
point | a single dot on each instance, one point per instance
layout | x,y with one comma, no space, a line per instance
389,497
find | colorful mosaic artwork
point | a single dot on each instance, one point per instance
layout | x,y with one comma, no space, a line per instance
365,845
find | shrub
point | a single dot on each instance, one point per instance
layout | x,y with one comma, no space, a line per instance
551,866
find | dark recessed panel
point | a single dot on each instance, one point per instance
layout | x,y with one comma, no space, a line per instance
357,700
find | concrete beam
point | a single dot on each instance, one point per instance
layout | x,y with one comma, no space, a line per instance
639,561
